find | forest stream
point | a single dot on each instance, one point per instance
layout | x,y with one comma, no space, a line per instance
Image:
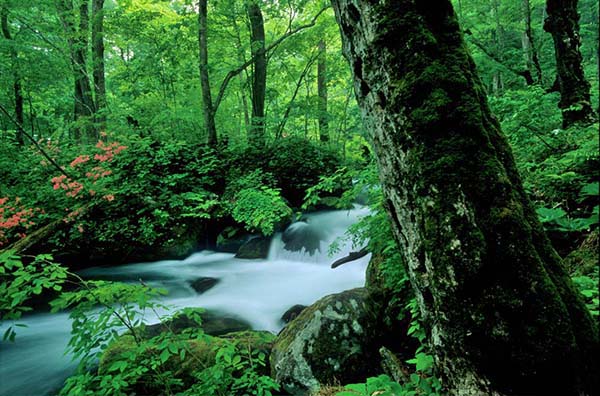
257,291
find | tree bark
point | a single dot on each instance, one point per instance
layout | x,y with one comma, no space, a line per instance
242,60
322,92
77,38
502,315
98,62
532,59
17,89
207,103
563,24
256,134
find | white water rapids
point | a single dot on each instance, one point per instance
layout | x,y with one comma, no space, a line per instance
258,291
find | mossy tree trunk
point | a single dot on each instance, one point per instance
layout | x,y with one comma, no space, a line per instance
322,92
17,88
563,24
77,37
256,135
502,315
208,108
530,52
98,62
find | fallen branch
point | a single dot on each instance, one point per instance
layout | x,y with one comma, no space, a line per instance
350,257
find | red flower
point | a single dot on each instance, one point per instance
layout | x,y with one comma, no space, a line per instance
79,160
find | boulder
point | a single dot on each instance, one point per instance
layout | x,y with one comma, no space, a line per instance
292,313
212,324
255,248
231,239
203,284
332,340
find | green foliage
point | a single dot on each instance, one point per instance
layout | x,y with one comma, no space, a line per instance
558,219
588,287
260,209
236,372
380,385
20,281
291,164
327,185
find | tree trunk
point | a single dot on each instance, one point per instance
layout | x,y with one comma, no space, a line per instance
322,92
259,76
502,314
17,90
98,62
84,107
498,38
532,59
563,24
242,60
207,104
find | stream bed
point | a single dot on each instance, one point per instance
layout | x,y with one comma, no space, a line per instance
258,291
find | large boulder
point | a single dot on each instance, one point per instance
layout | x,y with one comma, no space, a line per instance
255,248
332,340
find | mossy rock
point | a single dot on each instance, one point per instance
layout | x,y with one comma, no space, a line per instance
255,248
231,239
211,323
331,340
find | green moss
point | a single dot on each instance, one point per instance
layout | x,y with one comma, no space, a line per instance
331,339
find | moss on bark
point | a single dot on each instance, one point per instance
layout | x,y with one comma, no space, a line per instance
502,314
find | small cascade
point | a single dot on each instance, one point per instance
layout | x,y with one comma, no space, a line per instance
309,239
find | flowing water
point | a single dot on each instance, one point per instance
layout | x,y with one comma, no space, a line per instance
258,291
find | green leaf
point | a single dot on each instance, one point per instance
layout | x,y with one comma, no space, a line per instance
548,215
164,355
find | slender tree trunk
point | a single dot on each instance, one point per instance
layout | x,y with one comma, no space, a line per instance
322,92
498,37
98,62
17,90
532,59
207,103
502,314
563,24
84,108
284,119
242,60
259,76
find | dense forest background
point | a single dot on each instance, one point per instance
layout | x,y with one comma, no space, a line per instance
139,130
